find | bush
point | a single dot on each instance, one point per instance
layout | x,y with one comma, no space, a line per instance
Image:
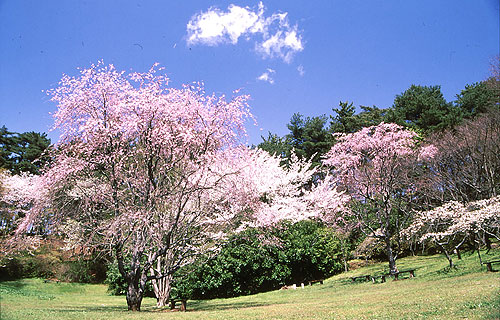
245,265
11,269
116,283
312,251
49,261
86,270
42,264
257,260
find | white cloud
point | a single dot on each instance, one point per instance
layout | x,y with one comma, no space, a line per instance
273,35
301,70
267,76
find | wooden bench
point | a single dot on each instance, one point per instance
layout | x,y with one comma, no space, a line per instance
410,271
315,281
183,304
366,277
489,266
382,278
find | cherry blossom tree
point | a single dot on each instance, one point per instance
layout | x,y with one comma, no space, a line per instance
141,170
17,195
451,224
290,192
376,167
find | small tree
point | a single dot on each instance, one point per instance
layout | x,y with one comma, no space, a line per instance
449,225
376,168
432,226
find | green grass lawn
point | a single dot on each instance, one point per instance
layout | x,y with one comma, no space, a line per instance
468,292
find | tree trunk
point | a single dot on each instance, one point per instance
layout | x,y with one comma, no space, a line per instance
390,256
449,259
487,242
446,253
344,254
163,284
134,296
162,288
136,284
478,247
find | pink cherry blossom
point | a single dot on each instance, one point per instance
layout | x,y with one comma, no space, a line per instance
142,170
375,166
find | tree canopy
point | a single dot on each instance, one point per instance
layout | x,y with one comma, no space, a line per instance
23,152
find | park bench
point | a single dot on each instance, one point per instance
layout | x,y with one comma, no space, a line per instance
382,278
410,271
366,277
315,281
183,304
489,266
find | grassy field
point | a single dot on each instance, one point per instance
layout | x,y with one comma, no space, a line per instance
468,292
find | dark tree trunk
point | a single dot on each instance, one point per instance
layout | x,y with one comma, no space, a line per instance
135,293
446,253
134,297
449,259
344,254
136,281
487,242
390,255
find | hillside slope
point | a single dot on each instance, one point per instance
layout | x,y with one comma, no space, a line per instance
436,293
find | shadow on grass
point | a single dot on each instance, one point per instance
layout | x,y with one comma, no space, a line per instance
103,309
21,288
192,306
15,284
205,306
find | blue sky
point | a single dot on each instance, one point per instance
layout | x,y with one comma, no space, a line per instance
290,56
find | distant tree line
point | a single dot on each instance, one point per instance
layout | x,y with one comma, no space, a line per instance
420,108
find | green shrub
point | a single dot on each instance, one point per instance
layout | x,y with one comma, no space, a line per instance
11,269
258,260
312,251
245,265
50,261
116,283
25,265
86,270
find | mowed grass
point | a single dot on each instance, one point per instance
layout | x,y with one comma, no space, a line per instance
468,292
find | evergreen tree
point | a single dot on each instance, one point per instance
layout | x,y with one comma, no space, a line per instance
424,108
476,98
309,136
23,152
